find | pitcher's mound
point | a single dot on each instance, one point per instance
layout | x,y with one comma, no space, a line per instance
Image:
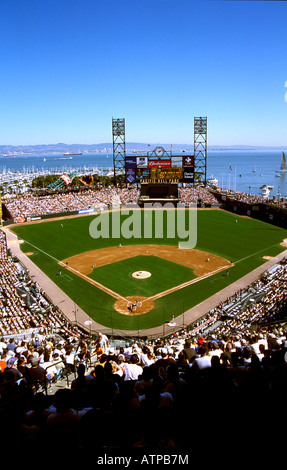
141,274
133,305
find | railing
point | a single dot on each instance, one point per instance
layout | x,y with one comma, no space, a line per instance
8,390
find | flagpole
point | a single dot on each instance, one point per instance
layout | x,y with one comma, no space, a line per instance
229,187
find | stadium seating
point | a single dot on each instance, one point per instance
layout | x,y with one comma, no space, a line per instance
242,343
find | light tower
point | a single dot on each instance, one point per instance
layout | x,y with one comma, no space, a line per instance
119,146
200,148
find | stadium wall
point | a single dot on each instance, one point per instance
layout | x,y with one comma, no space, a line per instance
265,212
14,220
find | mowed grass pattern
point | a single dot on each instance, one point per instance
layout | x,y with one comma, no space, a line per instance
241,240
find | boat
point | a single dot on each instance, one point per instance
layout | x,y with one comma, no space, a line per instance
265,190
283,168
70,153
212,181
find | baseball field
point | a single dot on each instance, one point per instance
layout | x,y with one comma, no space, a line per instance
140,281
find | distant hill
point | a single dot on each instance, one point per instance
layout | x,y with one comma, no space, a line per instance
107,147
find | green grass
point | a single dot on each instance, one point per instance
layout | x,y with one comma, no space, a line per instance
165,274
244,242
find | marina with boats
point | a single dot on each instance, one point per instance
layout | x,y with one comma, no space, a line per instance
231,170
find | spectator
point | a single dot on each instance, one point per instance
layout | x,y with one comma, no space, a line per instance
203,359
11,372
63,425
188,352
132,369
165,359
103,341
82,381
35,373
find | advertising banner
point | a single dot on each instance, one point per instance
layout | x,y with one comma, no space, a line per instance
188,175
131,166
142,162
142,174
159,164
131,162
86,211
188,161
130,175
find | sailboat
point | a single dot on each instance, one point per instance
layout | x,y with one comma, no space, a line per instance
283,168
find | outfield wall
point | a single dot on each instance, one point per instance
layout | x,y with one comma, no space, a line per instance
53,215
265,212
188,317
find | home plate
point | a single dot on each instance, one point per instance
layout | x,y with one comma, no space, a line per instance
141,274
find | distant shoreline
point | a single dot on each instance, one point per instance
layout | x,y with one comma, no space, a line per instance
7,151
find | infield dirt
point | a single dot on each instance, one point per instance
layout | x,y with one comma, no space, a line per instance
201,262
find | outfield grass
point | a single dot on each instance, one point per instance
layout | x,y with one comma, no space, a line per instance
242,240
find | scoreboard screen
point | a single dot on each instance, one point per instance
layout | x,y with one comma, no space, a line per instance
150,169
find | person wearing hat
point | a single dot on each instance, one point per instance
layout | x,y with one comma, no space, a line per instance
35,372
165,359
200,340
11,372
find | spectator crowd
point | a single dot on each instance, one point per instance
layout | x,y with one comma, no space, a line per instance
24,305
221,374
31,205
252,198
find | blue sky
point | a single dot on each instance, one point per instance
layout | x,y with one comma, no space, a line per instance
69,66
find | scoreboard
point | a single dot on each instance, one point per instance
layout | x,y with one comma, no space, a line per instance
162,169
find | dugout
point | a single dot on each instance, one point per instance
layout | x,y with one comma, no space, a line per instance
159,192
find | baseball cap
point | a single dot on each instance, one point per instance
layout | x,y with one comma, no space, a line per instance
11,361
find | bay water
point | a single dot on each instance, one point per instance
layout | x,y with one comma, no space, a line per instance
237,170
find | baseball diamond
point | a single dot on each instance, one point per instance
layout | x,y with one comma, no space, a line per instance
97,275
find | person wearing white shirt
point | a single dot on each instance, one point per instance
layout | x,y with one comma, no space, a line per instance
203,360
132,369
